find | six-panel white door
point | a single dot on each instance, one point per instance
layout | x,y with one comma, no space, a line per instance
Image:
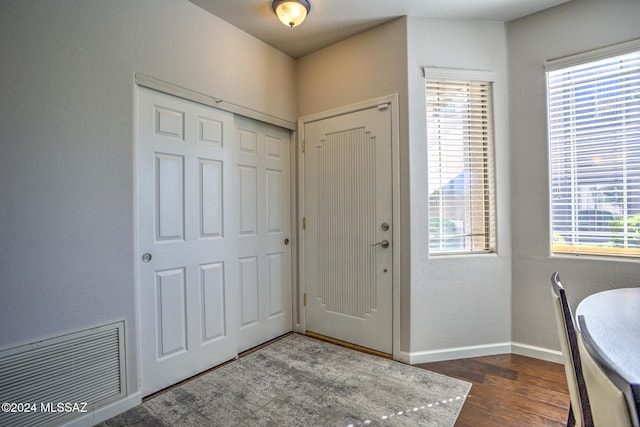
205,243
264,250
349,225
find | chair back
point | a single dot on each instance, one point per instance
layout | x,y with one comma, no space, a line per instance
572,364
606,400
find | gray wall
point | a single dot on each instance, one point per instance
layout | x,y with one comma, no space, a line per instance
448,302
367,66
458,301
67,107
571,28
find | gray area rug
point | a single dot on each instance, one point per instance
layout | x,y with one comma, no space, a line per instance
300,381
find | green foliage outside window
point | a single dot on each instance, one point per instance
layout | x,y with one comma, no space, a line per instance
633,231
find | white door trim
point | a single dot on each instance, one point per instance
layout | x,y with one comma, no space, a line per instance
211,101
392,101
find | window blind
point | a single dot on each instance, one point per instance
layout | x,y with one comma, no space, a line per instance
594,141
460,165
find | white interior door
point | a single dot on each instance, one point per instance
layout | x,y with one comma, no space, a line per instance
348,227
264,250
213,213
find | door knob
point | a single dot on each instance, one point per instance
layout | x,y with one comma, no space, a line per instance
146,257
384,244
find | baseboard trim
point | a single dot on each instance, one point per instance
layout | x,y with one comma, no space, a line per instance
458,353
537,352
479,351
103,414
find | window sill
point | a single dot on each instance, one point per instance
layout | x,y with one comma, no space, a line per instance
595,251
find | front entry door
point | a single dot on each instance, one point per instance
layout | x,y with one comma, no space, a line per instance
348,227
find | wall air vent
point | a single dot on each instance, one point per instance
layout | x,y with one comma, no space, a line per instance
50,382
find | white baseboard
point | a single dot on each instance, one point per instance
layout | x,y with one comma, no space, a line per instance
537,352
456,353
402,356
479,351
104,413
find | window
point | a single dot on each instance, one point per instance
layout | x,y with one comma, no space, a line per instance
594,144
460,163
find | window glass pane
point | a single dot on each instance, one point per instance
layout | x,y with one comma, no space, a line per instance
594,139
460,164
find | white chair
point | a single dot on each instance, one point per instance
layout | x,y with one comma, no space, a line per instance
596,396
579,409
608,403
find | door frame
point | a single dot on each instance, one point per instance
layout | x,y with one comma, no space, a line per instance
392,101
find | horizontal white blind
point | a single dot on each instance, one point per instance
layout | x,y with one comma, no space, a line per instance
594,138
460,163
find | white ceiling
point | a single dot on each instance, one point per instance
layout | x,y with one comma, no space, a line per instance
333,20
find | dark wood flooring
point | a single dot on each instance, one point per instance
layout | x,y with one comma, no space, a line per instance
509,390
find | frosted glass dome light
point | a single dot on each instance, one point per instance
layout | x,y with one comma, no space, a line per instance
291,12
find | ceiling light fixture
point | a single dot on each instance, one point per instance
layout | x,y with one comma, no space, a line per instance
291,12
